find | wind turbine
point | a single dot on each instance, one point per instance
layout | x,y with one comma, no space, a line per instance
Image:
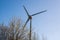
30,18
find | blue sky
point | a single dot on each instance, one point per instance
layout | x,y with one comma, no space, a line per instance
47,24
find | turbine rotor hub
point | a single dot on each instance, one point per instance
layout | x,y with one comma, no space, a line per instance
30,17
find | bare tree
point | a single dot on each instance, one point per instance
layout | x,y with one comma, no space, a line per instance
3,32
14,31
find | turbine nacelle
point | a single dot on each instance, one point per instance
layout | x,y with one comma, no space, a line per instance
30,17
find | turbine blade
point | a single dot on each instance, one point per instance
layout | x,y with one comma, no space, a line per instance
25,10
25,23
30,28
39,13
